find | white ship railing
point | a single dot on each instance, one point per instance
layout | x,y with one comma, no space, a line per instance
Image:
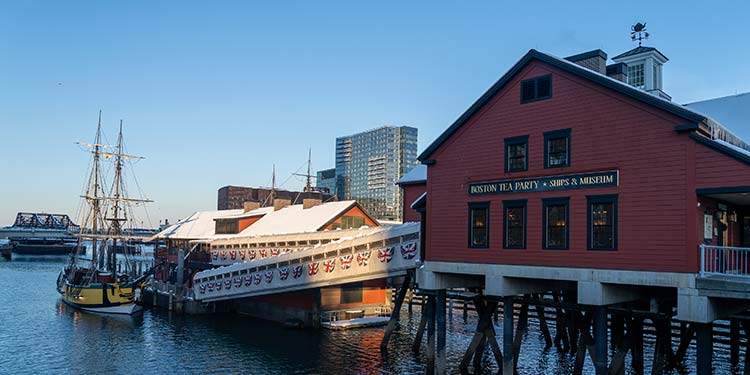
724,260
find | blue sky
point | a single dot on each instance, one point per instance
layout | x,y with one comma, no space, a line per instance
214,93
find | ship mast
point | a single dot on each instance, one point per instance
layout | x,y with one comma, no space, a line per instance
116,220
95,202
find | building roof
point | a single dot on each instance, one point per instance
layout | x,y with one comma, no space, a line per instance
252,213
200,225
638,50
295,219
572,68
731,111
416,176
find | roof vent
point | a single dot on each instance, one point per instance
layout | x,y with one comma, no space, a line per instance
248,206
280,203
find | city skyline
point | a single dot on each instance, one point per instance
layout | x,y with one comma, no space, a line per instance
216,96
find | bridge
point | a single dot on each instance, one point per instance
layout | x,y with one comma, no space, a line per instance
365,254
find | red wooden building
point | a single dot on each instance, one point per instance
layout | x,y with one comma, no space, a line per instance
562,176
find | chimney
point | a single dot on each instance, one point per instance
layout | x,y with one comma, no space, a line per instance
280,203
618,71
250,205
595,60
311,202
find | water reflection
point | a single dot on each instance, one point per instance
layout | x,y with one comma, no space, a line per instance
40,334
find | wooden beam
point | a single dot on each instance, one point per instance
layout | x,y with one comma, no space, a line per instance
395,313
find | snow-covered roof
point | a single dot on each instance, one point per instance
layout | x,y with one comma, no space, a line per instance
295,219
416,175
733,147
199,225
733,112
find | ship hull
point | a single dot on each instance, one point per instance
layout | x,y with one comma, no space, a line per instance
102,298
41,248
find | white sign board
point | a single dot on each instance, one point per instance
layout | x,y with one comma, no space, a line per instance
708,227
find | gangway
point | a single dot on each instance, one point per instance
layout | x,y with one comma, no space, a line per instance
375,253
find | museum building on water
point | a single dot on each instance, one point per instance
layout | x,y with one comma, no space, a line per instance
571,174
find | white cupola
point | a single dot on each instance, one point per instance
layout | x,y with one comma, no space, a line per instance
644,69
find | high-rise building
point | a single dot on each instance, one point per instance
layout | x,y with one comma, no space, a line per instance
368,164
325,181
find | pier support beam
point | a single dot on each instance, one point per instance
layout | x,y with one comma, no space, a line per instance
395,313
430,335
705,348
508,365
600,340
440,360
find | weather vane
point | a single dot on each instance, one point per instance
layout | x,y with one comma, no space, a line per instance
638,32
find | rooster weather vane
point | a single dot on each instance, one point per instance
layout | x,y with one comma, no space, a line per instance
638,32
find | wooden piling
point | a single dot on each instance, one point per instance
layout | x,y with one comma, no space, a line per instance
395,313
600,340
431,335
636,330
734,342
704,350
440,356
508,365
421,328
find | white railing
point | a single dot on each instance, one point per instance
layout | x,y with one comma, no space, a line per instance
725,260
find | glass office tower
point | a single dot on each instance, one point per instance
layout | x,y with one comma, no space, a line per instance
368,164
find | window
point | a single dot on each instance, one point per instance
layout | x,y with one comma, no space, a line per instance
479,220
536,89
226,227
348,222
516,153
636,76
555,223
557,148
514,224
602,222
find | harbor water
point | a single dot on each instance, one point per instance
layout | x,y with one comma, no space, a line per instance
40,334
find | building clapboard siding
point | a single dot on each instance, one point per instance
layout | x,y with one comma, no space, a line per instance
609,131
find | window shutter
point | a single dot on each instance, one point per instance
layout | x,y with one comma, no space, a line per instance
543,87
527,90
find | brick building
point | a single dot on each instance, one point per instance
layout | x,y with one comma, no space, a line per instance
233,197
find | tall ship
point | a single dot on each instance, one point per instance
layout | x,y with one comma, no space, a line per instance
95,278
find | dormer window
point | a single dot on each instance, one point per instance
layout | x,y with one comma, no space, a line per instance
536,89
636,76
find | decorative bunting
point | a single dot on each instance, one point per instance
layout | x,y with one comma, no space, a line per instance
238,281
223,254
202,288
228,284
329,265
297,271
263,253
215,254
363,258
346,261
233,254
385,255
210,286
275,252
313,268
269,276
242,254
218,286
251,254
286,251
248,280
409,250
256,278
283,273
